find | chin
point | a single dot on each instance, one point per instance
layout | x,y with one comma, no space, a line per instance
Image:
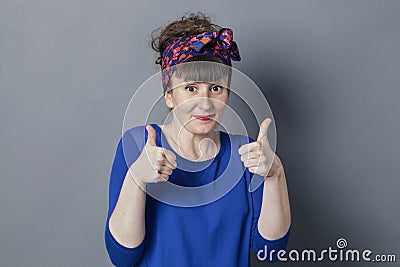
201,127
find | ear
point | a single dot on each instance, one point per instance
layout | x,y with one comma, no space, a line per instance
168,98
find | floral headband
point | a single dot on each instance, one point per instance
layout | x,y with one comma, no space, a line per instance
178,50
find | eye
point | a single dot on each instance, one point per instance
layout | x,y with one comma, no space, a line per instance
216,88
191,88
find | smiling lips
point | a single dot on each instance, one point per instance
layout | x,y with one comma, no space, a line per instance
204,118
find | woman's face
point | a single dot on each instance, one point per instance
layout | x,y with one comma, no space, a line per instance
198,106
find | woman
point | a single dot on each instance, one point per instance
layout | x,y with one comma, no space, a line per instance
144,231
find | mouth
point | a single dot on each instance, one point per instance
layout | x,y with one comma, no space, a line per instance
204,117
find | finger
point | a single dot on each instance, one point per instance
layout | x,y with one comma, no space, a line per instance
249,147
253,169
151,136
159,155
263,133
165,170
168,164
251,163
251,155
162,177
157,164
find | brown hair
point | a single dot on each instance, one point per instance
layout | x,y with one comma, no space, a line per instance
191,24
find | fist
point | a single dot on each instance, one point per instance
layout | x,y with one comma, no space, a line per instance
155,164
258,156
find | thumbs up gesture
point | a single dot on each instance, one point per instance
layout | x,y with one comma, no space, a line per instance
258,156
155,164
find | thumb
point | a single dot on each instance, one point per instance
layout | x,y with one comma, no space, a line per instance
263,133
151,137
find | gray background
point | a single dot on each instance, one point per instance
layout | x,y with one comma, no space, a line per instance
330,70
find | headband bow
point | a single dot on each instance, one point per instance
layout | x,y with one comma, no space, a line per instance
178,50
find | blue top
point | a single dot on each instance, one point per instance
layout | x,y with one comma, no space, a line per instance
199,228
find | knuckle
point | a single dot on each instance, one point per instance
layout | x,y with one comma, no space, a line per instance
159,150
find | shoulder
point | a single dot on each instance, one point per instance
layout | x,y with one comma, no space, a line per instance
134,136
135,131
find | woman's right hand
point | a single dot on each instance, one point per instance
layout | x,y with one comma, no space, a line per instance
155,164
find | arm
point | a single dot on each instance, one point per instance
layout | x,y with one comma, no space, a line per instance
273,225
125,245
271,221
274,221
127,222
125,227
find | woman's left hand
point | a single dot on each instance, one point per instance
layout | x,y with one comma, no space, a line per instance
258,156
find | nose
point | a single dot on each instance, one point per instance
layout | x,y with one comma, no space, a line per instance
204,101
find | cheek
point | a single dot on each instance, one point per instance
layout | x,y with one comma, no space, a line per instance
182,104
221,104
